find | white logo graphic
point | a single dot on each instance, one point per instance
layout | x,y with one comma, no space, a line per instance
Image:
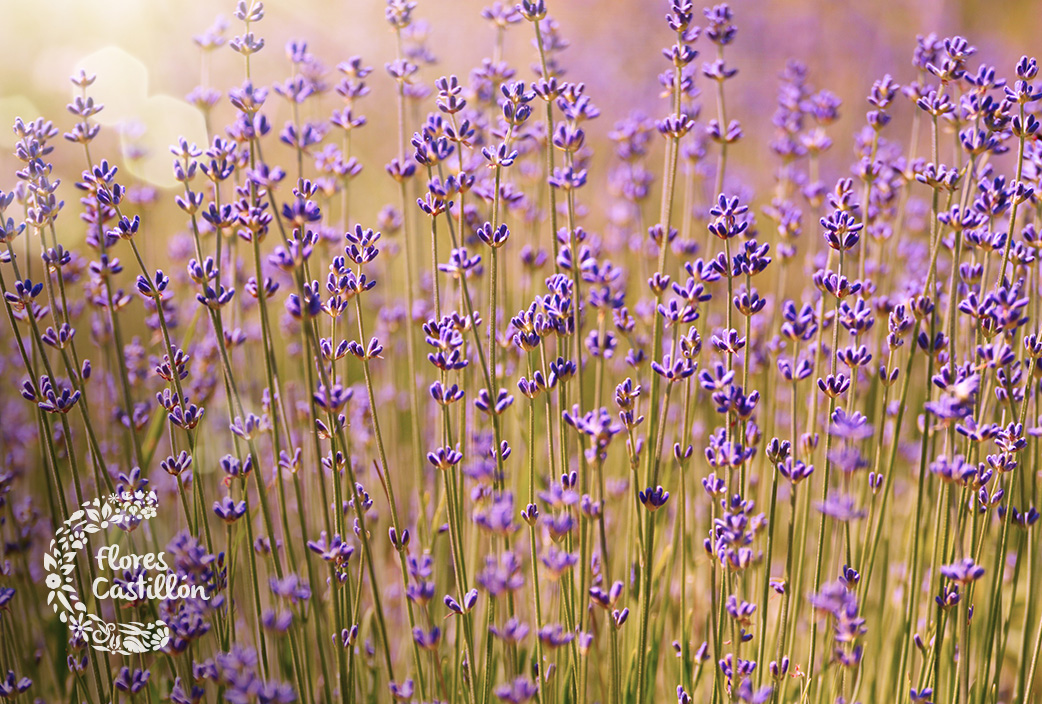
124,510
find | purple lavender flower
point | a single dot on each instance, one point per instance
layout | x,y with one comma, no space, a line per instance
963,572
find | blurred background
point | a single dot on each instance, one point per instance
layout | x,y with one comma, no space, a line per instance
146,62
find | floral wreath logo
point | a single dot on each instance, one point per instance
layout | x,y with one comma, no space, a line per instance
125,510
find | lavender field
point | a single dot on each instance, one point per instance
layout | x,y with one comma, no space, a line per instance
400,377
